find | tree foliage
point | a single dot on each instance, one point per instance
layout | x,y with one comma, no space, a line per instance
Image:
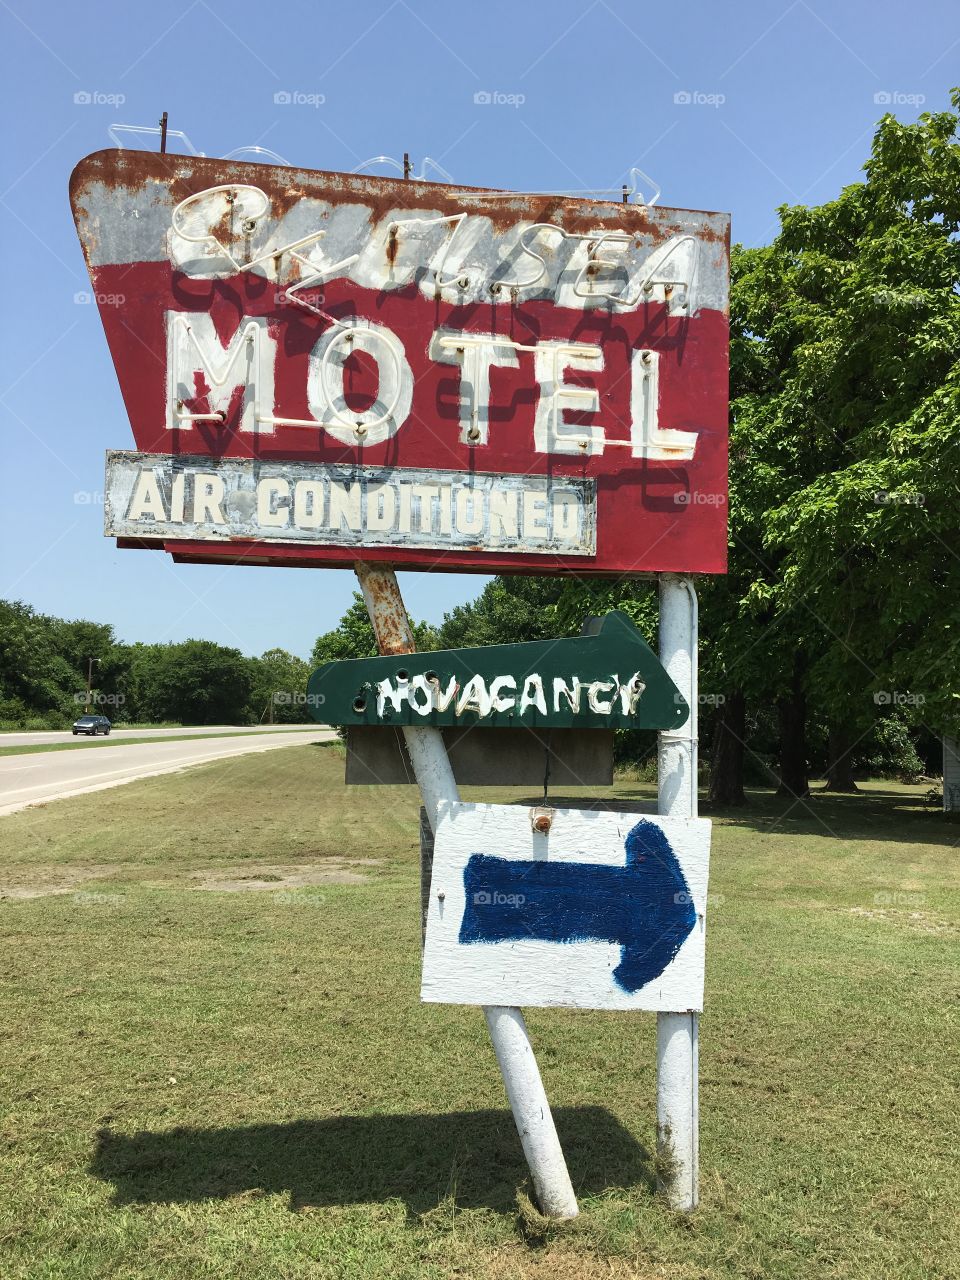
194,682
353,636
279,686
44,663
869,312
507,611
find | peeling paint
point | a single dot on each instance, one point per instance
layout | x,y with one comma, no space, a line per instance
161,496
273,316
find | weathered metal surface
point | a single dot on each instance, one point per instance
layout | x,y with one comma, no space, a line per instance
388,614
606,678
288,316
513,758
150,495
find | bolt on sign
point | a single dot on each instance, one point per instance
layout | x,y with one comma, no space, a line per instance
325,367
594,910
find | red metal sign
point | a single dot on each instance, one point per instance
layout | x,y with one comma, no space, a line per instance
324,367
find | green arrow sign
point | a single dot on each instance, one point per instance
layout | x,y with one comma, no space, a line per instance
606,678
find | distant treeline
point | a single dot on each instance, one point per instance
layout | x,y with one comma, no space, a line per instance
44,663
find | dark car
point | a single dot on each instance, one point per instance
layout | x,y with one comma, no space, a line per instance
92,725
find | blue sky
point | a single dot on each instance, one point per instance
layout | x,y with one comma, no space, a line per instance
729,107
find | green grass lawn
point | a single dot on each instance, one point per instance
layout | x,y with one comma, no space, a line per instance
215,1063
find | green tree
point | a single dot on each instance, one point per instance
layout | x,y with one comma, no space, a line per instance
34,677
279,687
80,641
877,535
843,580
507,611
43,667
193,682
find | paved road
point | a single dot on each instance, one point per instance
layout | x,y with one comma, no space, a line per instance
51,775
44,738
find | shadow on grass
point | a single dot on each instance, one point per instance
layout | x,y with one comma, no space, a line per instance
420,1159
870,814
625,801
874,814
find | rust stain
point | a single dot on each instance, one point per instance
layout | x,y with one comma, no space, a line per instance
189,175
223,228
391,625
541,820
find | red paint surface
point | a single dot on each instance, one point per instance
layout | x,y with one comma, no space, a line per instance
641,527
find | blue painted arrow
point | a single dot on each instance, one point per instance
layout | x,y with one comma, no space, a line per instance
645,906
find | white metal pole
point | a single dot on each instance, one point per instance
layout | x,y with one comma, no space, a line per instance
531,1111
678,1119
511,1043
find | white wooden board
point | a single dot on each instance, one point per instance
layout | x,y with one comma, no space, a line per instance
606,911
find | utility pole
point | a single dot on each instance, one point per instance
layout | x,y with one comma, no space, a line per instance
90,662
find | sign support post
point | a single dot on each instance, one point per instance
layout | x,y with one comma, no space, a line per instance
677,1033
511,1043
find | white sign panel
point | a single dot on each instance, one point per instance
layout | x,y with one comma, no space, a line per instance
158,496
604,911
